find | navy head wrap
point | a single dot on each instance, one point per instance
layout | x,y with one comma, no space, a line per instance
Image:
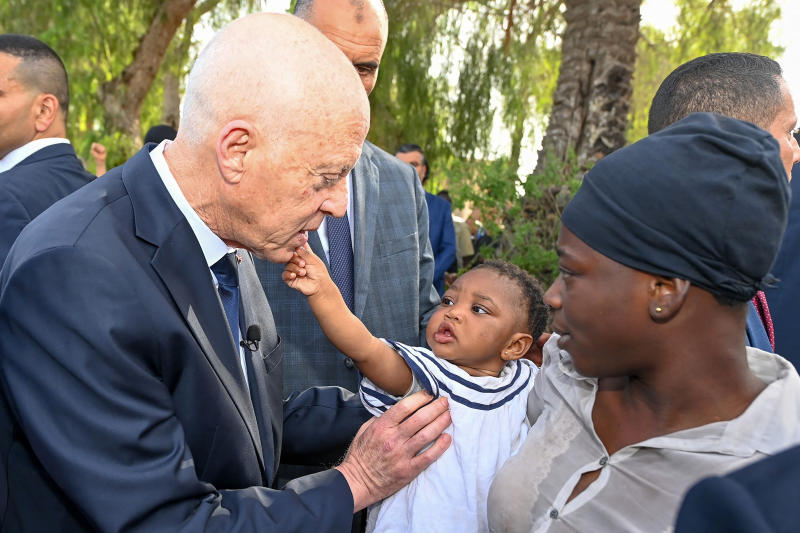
704,200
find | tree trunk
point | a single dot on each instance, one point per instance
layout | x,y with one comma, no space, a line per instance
592,97
123,95
171,110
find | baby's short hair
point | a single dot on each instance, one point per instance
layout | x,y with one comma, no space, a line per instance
530,292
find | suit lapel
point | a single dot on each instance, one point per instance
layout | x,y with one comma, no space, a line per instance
180,264
366,190
262,361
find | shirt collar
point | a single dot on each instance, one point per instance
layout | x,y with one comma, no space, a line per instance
213,247
768,425
14,157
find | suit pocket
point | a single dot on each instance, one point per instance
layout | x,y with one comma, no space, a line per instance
388,248
273,358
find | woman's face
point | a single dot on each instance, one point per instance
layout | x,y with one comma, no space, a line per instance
600,309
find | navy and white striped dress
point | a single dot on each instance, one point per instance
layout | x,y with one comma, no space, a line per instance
489,425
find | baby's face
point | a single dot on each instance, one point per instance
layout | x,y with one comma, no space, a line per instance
478,315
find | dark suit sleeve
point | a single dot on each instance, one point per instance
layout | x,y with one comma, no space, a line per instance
14,218
447,247
720,504
78,371
319,424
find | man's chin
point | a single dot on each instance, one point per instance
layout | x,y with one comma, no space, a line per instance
278,255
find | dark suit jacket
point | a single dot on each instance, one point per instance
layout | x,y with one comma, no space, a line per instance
783,298
33,185
763,497
443,237
392,270
125,406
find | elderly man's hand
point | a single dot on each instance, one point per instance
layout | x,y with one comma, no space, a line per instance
385,454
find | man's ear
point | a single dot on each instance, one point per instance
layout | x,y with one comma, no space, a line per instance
46,110
517,346
235,140
666,297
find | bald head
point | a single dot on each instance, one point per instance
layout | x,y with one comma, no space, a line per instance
358,27
269,68
274,119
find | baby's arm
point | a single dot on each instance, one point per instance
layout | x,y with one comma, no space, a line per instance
306,273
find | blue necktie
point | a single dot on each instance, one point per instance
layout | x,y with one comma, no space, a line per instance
228,288
340,255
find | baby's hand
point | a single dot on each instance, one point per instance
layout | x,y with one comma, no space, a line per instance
305,272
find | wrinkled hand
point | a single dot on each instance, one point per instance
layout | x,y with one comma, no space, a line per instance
98,152
305,272
385,454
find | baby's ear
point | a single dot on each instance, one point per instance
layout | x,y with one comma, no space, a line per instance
517,346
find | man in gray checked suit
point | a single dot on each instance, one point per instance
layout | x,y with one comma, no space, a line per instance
392,261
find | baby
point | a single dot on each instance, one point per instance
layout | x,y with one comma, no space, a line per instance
486,323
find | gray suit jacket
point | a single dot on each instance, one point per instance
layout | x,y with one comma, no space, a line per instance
393,275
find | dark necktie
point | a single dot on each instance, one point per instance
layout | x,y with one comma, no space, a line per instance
228,288
340,254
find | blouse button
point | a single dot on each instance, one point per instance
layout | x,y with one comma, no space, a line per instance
603,461
553,514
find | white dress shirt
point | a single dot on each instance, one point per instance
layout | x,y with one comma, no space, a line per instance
13,157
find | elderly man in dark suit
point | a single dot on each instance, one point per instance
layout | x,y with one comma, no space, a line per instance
140,365
379,254
37,164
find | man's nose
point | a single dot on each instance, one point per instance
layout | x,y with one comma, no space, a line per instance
336,204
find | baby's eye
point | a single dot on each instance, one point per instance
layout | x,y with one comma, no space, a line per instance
478,309
447,301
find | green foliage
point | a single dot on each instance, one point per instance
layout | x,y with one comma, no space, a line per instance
451,66
523,216
702,27
97,39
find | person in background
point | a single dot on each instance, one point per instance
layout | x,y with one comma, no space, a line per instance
464,248
38,165
442,233
749,87
783,298
156,134
99,154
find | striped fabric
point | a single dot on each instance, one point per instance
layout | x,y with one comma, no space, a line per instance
489,425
